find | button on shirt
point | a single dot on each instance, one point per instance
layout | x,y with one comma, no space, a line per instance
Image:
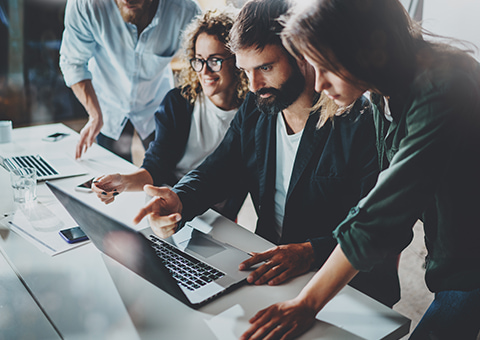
130,73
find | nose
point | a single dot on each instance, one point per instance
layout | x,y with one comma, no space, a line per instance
205,69
255,81
321,82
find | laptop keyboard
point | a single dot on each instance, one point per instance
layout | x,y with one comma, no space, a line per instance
37,162
187,270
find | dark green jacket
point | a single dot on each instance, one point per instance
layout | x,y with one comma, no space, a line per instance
431,156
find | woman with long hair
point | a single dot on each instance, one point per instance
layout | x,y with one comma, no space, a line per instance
426,99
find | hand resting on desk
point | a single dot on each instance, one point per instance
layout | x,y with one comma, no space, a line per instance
281,263
164,211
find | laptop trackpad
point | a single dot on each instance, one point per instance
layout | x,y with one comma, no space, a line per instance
200,244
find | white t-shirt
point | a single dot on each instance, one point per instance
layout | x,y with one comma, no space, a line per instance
287,146
208,127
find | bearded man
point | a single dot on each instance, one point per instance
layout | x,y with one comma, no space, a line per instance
302,177
115,56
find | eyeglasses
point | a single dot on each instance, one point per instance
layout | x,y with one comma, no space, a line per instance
213,64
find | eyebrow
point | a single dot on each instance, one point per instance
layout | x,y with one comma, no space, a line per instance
214,55
257,67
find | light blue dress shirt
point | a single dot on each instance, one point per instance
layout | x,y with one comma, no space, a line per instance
130,73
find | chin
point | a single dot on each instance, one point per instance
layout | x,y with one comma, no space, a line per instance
341,103
209,91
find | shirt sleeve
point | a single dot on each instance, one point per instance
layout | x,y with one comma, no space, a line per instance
78,44
381,224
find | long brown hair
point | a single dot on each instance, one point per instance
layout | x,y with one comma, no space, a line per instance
374,41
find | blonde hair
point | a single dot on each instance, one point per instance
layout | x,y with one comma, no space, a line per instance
216,23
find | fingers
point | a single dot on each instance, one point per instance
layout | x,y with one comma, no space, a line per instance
164,192
283,320
90,137
279,277
97,185
164,226
162,215
83,144
108,200
269,331
281,263
144,212
87,137
106,197
255,259
105,189
80,148
253,328
106,183
264,325
163,210
266,273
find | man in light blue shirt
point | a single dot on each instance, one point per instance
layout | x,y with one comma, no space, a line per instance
115,56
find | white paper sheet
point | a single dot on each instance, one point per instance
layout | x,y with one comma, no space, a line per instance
230,324
39,223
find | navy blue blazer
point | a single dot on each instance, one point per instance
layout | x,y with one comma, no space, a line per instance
335,166
172,127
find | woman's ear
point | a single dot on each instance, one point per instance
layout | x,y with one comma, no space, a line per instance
306,68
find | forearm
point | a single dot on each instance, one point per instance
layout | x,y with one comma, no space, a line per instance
85,93
137,180
335,274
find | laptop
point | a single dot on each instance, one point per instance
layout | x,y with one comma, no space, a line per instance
191,266
48,168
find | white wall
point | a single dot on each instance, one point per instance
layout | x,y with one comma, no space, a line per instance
454,18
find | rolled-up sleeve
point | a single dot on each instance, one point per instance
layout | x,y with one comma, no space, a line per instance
78,44
434,124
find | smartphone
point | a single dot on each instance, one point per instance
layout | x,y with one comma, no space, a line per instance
85,186
73,235
55,137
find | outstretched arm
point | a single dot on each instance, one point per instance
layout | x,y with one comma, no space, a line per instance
289,319
108,186
85,93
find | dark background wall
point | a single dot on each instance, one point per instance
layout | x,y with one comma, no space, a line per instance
32,90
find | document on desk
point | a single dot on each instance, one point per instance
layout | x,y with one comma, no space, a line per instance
232,323
39,223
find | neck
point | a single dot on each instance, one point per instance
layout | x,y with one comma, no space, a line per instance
147,17
224,102
296,115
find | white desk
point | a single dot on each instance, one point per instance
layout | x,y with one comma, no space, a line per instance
86,295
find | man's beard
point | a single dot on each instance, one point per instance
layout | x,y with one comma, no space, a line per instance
134,17
283,97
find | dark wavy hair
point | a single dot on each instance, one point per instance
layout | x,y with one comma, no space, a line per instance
257,25
217,23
